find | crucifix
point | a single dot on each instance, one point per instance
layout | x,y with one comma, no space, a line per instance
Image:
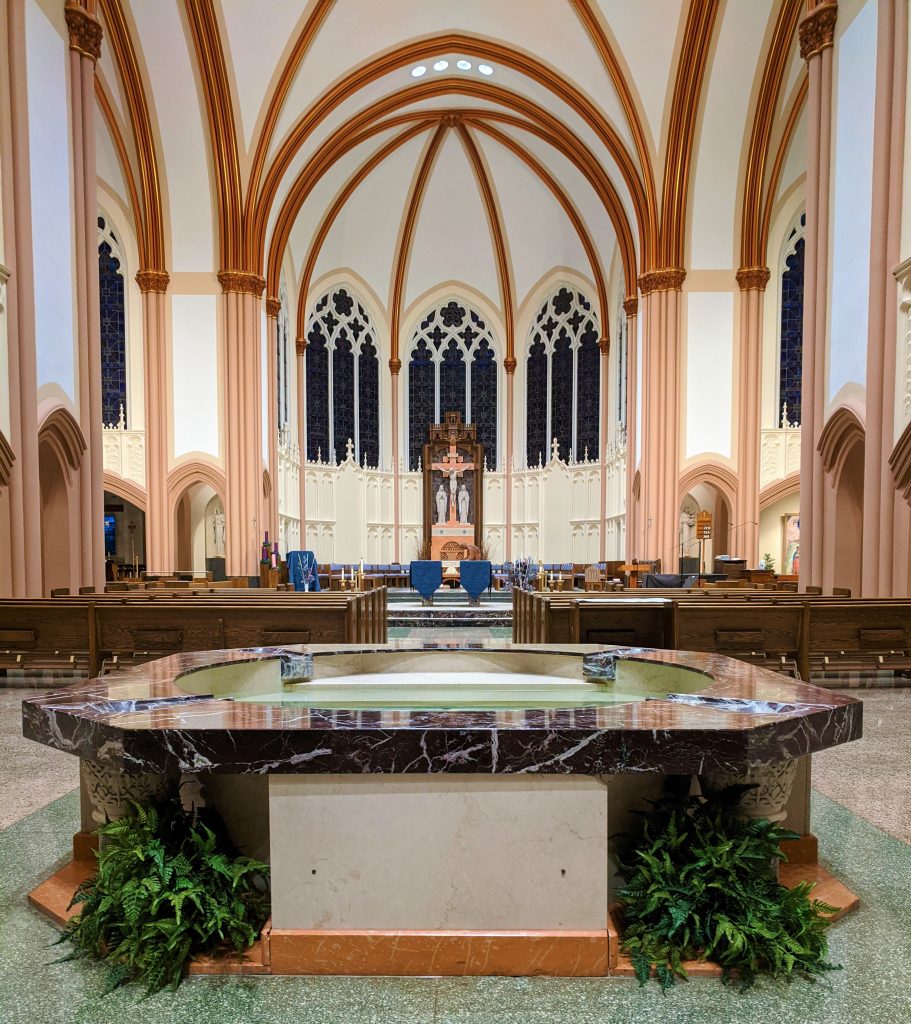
453,466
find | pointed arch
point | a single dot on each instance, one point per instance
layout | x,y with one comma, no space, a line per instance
60,430
900,461
779,489
123,488
194,471
842,432
720,476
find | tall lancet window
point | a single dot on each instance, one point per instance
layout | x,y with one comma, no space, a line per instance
791,323
282,361
112,304
563,379
342,381
622,346
452,368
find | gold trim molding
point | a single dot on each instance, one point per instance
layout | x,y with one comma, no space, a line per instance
85,31
669,279
153,280
273,307
753,278
631,305
241,281
817,30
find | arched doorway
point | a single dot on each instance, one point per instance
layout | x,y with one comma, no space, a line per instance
200,530
847,565
59,546
124,535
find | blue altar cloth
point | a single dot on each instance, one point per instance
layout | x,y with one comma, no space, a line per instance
301,565
426,577
475,577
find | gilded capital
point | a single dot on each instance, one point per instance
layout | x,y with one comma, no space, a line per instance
631,305
85,31
394,366
152,280
753,278
241,281
817,30
273,306
669,279
510,363
604,345
300,346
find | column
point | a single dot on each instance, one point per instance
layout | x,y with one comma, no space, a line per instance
661,386
632,543
509,365
160,553
817,34
85,49
395,366
885,251
24,496
273,306
604,346
241,298
752,281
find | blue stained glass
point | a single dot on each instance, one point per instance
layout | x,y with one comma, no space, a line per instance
317,369
343,394
561,393
484,400
791,364
452,381
368,383
588,392
113,335
421,395
536,405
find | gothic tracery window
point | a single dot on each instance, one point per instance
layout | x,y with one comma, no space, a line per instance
112,305
452,368
282,340
790,364
563,379
342,380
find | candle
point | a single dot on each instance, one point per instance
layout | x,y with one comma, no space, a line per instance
343,576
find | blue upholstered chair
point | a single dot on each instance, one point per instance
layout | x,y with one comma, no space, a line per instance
302,571
475,577
426,578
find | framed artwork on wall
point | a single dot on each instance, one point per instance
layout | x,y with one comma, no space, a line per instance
790,533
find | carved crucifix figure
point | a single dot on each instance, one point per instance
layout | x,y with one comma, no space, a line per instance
453,466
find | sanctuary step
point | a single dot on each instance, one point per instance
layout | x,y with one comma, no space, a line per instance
450,609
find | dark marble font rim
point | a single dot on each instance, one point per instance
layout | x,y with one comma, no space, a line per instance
141,720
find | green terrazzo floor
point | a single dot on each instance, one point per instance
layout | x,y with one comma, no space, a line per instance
874,945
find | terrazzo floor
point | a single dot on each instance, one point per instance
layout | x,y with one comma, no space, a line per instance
868,779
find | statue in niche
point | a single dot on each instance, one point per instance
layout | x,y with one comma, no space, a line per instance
441,501
464,500
218,532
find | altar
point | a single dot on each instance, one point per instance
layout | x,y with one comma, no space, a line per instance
453,485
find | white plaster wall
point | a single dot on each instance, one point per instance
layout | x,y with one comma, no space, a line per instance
51,200
638,358
709,372
268,384
855,88
194,358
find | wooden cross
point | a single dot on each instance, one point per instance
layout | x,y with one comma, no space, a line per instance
453,466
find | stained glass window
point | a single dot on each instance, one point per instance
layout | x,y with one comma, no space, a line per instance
563,379
622,345
452,368
112,302
282,341
343,380
791,352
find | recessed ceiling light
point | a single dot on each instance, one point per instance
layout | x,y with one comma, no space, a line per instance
440,65
485,69
463,65
418,71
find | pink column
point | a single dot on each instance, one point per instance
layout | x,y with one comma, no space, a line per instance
241,298
752,281
661,385
272,307
85,49
301,350
159,521
395,365
631,308
885,245
604,345
24,496
817,33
